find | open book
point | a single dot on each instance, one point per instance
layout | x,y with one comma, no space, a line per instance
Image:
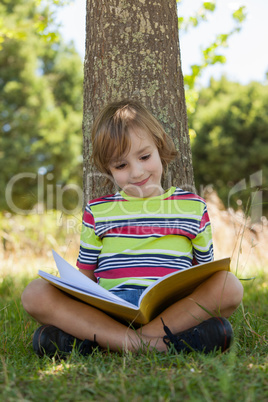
157,297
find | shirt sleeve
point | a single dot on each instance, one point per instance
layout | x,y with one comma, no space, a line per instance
90,243
202,243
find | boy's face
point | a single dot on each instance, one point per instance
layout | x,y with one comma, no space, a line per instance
138,173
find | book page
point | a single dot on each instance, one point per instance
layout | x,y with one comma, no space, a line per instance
71,276
58,282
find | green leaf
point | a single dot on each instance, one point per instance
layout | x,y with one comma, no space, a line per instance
209,5
218,59
195,69
193,21
222,39
180,22
240,14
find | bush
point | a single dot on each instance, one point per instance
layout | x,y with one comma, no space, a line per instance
231,147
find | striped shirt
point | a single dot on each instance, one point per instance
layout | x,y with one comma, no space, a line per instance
130,242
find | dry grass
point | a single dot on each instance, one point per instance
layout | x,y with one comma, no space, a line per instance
27,242
236,236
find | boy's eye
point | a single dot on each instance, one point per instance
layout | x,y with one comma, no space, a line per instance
145,157
121,166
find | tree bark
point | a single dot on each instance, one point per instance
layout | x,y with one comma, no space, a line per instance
132,51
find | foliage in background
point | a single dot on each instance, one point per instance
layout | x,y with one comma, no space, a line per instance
231,122
12,26
41,109
211,54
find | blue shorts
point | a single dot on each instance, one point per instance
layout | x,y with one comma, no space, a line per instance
132,296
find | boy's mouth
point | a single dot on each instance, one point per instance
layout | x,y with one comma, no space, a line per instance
141,183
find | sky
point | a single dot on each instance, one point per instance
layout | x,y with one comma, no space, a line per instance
247,55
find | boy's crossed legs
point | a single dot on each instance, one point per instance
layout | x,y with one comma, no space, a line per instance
221,294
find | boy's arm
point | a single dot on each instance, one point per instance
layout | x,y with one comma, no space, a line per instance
89,273
90,246
202,243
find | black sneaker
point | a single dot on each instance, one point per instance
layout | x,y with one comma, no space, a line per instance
51,341
213,334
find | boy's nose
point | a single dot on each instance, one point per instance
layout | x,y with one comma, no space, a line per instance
137,171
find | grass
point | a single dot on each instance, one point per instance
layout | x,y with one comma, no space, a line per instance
240,375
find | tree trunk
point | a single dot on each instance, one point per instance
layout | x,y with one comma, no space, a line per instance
132,51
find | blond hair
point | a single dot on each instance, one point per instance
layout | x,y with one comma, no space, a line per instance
110,133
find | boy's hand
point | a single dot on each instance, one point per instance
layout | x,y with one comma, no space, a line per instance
89,273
